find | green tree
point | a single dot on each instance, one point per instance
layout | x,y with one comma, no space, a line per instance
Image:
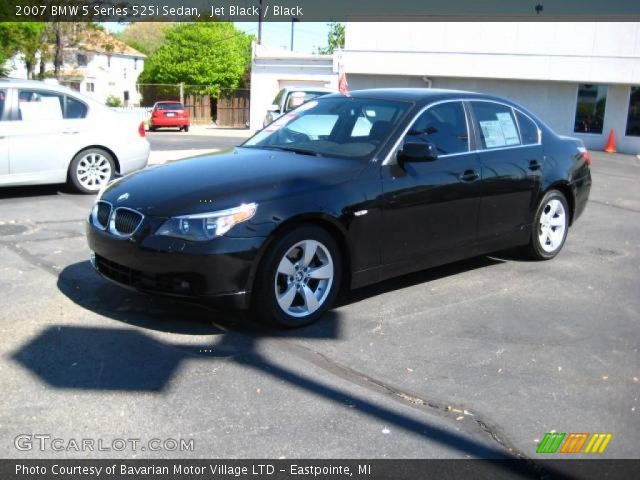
146,37
27,38
335,39
214,54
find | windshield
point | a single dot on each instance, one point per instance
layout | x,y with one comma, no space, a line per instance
335,127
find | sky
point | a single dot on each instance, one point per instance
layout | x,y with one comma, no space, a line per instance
308,36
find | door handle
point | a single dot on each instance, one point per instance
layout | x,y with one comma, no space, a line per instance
470,176
534,165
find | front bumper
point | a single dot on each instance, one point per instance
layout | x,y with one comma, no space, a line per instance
219,271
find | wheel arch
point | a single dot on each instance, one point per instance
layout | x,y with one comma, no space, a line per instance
322,220
564,188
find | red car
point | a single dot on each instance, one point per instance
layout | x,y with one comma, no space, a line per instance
169,114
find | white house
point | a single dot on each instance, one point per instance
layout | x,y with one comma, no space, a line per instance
99,67
273,69
583,79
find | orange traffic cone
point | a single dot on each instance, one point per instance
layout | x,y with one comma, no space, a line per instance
610,147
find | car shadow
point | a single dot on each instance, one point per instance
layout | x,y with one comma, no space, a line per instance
137,360
35,191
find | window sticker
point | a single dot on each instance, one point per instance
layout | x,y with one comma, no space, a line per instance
508,128
492,133
45,109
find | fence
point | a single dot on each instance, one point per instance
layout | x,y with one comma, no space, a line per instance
229,109
233,108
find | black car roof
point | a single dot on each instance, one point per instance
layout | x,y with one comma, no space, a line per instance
416,95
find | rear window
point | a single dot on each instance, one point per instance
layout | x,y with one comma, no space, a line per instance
528,129
169,106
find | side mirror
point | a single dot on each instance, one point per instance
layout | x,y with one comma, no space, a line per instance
417,152
274,108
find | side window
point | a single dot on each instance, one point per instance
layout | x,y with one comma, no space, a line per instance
38,105
528,129
443,125
278,99
3,98
75,109
496,124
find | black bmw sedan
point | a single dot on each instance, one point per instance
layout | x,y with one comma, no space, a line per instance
343,192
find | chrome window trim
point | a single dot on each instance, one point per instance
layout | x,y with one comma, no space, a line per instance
112,223
94,215
389,158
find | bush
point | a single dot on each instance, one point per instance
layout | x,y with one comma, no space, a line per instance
113,101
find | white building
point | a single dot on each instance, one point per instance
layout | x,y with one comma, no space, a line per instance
583,79
272,70
100,67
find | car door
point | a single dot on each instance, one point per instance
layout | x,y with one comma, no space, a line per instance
40,143
512,160
4,141
430,208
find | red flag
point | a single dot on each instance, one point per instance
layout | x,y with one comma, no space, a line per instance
343,86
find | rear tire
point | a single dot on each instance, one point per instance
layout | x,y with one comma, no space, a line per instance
90,170
185,128
550,227
299,278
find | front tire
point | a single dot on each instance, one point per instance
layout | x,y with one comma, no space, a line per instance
299,278
90,170
550,226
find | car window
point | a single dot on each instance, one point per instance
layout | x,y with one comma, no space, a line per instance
169,106
528,129
38,105
344,127
3,98
496,124
75,109
278,99
315,126
297,98
444,126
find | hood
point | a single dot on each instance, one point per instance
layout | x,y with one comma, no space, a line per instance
219,181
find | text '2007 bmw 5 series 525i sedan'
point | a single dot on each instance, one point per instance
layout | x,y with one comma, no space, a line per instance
343,192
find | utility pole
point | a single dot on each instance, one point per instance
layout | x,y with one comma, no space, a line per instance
293,21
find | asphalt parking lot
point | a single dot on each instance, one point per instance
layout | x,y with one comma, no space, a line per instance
476,359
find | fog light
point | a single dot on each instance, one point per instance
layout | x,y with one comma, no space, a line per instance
184,286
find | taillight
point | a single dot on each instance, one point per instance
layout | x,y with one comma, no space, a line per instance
584,153
155,113
141,130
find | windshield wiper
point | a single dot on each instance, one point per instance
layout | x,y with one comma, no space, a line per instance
300,151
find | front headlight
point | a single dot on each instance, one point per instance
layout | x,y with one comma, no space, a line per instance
206,226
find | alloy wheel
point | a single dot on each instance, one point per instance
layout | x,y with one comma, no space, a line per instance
93,171
553,223
304,277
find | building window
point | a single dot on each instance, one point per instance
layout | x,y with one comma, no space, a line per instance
633,118
81,59
592,100
135,64
124,73
90,87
